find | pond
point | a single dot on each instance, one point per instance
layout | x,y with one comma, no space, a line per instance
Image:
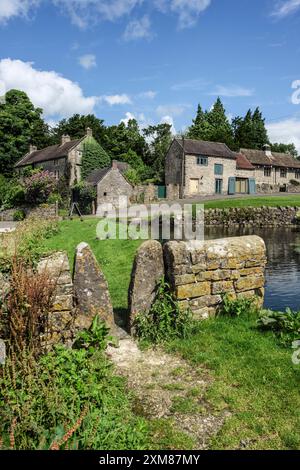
283,268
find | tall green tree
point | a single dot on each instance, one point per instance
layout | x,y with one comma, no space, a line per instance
93,157
221,130
250,131
159,138
76,127
21,124
201,129
122,138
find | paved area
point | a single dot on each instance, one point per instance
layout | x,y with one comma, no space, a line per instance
7,227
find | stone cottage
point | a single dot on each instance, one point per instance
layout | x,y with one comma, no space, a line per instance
273,171
202,168
111,183
63,159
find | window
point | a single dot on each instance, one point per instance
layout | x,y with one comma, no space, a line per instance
283,172
219,169
267,171
297,174
203,161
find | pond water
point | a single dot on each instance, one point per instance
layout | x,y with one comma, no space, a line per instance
283,269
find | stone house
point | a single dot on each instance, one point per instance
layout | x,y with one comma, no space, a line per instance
63,160
197,167
110,183
273,171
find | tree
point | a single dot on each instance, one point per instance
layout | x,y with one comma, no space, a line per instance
122,138
285,148
76,127
160,138
93,157
201,128
250,131
21,124
212,126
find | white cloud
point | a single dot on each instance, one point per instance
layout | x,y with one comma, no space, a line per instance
286,131
169,120
13,8
85,12
113,100
58,96
148,94
296,95
138,29
188,11
88,61
140,118
285,7
232,91
174,109
195,84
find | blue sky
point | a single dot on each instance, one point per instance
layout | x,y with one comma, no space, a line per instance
155,60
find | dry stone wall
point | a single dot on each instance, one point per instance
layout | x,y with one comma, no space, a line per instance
44,211
252,216
200,273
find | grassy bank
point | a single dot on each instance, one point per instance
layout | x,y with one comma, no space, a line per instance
254,378
272,201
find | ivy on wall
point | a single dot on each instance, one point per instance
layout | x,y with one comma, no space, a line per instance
93,157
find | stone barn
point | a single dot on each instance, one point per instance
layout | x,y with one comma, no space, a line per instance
111,183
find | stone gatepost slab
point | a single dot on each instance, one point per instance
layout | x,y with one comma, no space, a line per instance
2,352
91,290
148,270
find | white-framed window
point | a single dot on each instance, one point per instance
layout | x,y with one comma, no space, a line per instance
267,171
202,161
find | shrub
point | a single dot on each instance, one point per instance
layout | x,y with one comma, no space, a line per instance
86,194
165,320
93,157
39,186
19,215
11,194
286,325
238,307
55,198
295,182
67,399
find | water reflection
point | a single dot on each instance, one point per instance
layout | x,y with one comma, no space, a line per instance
283,269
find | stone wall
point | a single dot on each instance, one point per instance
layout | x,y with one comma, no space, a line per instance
144,194
44,211
252,216
173,191
200,273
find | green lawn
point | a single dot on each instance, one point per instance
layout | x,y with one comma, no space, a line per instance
254,379
254,376
274,201
114,256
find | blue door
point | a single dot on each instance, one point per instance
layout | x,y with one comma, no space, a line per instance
252,186
231,185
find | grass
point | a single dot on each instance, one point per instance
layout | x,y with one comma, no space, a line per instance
271,201
254,376
254,379
114,256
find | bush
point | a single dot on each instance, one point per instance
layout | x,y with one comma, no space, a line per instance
286,325
93,158
238,307
68,399
165,321
39,187
86,194
55,198
295,182
19,215
12,194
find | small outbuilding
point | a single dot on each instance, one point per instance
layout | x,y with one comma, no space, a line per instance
111,184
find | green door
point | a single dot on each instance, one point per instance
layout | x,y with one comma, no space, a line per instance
162,192
232,185
252,186
219,186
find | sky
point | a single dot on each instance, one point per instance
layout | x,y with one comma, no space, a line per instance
155,60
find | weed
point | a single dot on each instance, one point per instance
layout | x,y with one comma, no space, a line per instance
238,307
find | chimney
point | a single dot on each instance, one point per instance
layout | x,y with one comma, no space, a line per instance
32,148
267,150
89,132
65,138
114,165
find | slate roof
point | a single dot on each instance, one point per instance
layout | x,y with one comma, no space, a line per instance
49,153
242,163
210,149
259,157
97,175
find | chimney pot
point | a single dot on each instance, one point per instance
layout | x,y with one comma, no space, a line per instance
89,132
267,149
115,165
32,148
65,138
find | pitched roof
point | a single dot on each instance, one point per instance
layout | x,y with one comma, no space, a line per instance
259,157
242,163
210,149
49,153
97,175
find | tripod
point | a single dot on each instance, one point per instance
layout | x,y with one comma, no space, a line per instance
75,207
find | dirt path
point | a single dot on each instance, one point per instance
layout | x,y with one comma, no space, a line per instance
166,386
